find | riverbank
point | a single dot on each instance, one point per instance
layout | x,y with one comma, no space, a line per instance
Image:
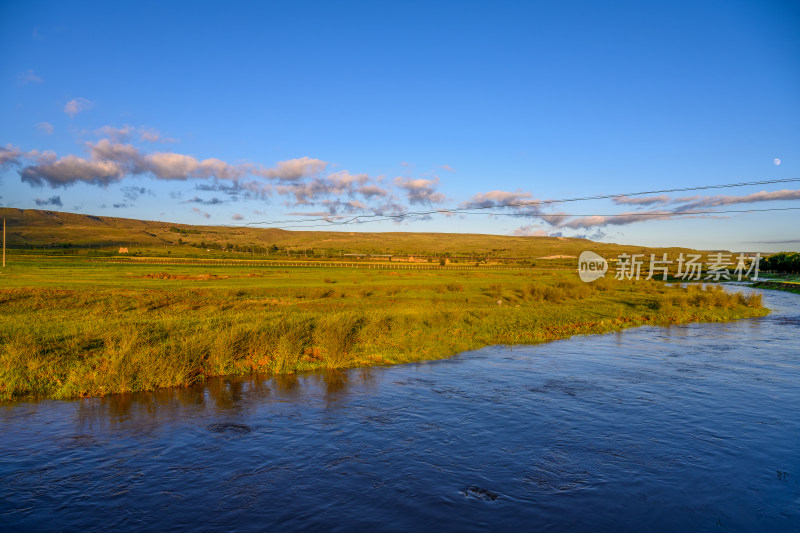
787,286
76,329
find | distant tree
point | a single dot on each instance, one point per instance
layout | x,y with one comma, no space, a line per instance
784,262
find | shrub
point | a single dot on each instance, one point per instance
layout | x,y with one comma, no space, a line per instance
495,290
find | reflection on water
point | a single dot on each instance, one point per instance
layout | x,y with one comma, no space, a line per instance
231,395
682,428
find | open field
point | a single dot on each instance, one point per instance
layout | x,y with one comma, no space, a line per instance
71,328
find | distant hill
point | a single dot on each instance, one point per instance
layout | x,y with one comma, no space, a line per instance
27,228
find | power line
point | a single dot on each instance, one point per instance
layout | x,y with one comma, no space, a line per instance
637,214
356,220
410,214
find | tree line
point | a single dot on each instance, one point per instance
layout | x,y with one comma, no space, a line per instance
787,262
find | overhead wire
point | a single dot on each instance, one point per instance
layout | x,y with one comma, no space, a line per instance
381,217
355,220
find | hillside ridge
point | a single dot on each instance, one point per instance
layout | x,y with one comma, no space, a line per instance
32,228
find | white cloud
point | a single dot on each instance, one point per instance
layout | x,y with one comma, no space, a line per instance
622,219
688,208
370,191
529,231
28,77
71,169
153,136
126,155
420,191
9,156
171,165
498,199
117,135
338,183
336,206
554,219
343,180
111,161
294,169
164,165
644,200
301,181
520,203
318,214
762,196
127,132
389,208
216,168
150,136
45,127
77,105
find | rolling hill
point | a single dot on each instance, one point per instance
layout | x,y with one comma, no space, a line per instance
33,228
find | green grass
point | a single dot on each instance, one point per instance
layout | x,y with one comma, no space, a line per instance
785,282
72,328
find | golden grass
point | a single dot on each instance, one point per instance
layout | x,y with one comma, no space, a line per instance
72,329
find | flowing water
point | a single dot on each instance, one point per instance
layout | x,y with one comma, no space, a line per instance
685,428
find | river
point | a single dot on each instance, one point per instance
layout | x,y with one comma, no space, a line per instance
692,427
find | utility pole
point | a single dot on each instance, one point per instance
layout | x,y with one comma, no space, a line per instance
4,243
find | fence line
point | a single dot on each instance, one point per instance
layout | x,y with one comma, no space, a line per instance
300,264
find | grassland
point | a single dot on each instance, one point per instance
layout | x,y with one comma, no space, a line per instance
53,232
70,328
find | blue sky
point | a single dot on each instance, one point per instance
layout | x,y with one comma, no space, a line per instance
307,114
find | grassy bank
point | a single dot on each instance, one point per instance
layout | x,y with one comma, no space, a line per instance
788,286
71,329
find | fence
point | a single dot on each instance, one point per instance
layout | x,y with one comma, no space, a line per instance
300,264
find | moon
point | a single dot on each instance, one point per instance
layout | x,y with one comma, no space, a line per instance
776,161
